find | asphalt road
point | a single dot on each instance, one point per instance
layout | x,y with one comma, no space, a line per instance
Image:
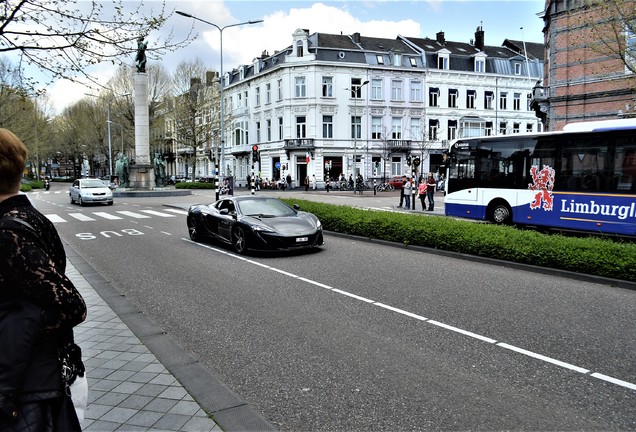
365,336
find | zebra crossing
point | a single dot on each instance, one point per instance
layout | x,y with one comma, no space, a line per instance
113,215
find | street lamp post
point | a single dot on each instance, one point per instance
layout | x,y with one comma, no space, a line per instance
354,90
187,15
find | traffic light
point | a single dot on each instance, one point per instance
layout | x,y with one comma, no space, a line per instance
254,153
408,160
416,161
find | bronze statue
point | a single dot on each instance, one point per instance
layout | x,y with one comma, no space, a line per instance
160,170
140,59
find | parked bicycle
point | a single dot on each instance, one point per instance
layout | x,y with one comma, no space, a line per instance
384,187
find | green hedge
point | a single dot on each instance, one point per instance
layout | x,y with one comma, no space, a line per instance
194,185
590,255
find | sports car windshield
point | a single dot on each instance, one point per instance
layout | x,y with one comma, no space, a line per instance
265,208
93,184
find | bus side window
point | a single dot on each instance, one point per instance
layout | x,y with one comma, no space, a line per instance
625,166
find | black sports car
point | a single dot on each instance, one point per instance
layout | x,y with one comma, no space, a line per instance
255,222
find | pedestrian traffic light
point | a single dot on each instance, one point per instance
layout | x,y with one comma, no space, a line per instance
254,153
408,160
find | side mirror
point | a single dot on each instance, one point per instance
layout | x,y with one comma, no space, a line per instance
224,212
296,207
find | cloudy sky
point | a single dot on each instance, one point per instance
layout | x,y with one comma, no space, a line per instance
458,19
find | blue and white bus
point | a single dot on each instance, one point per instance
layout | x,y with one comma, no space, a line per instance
582,178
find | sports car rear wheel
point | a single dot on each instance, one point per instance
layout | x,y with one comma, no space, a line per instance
239,240
192,230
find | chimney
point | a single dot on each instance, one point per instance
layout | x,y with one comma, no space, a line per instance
479,38
211,77
356,37
440,38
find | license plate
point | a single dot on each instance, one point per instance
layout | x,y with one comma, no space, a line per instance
301,239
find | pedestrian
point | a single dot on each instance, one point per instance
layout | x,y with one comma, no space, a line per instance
306,183
39,306
313,181
289,181
402,191
421,192
407,194
430,191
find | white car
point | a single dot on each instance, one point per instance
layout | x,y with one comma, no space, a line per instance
90,190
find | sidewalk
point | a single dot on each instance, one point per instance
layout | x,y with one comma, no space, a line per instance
130,388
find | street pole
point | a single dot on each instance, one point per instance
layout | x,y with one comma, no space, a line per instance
356,89
110,147
187,15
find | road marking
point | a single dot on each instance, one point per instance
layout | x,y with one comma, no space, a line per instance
54,218
81,217
132,214
156,213
518,350
177,211
106,215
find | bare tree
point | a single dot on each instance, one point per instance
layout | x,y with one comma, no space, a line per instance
196,109
62,38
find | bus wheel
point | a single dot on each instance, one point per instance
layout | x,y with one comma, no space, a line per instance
501,214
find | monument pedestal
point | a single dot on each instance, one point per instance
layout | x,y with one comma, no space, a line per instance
141,177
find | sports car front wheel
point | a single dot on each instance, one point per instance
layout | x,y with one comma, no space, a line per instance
239,240
192,230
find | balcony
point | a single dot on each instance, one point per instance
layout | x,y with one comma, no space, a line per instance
399,145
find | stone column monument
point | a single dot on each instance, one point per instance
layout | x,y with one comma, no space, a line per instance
142,175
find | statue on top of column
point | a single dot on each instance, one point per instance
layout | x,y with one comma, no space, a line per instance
140,59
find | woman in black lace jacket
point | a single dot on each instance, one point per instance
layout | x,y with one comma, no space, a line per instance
37,302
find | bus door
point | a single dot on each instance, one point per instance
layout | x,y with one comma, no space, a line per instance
461,174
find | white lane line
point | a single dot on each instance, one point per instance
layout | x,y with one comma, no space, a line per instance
132,214
177,211
81,217
166,233
156,213
433,322
544,358
54,218
614,380
106,215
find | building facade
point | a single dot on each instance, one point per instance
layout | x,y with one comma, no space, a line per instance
588,49
348,104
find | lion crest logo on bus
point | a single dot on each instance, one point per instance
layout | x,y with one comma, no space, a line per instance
542,182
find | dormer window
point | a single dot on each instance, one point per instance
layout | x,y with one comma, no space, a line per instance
480,64
413,61
517,66
443,61
397,59
241,72
299,49
380,59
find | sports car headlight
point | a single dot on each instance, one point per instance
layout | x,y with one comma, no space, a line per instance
262,228
318,224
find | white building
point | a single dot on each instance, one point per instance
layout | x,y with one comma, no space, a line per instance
331,104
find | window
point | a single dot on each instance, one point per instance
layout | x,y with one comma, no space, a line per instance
452,98
397,59
245,100
376,89
269,130
442,61
380,59
258,132
488,99
327,126
280,128
396,128
301,127
488,130
327,87
396,166
529,128
416,129
517,68
299,49
452,130
502,100
416,91
413,61
516,102
433,97
301,90
471,95
268,93
502,128
279,84
258,96
630,48
516,128
356,88
433,127
480,65
396,90
376,127
356,127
